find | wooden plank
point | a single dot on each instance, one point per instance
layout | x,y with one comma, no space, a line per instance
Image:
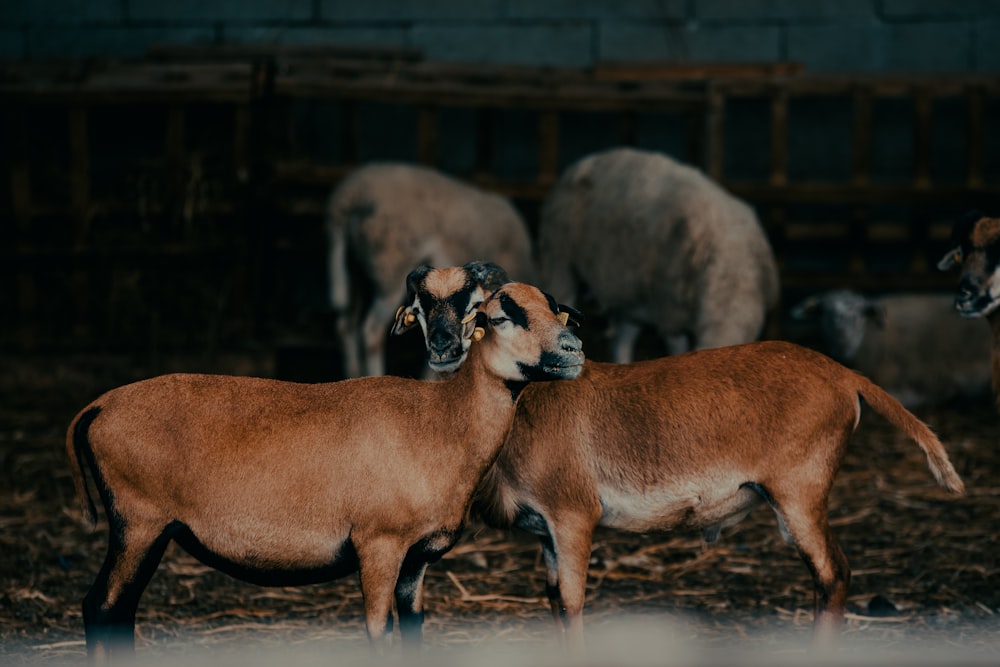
975,136
242,141
548,147
20,186
79,173
659,71
923,106
716,129
778,174
350,132
861,154
79,169
485,119
175,157
427,135
118,83
228,52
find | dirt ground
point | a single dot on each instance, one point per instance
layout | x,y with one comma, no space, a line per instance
925,587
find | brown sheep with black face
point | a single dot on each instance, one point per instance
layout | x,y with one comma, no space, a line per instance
976,241
281,483
386,218
689,441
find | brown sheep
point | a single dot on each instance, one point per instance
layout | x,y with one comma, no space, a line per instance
280,483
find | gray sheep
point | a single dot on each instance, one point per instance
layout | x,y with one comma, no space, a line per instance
657,242
913,345
386,218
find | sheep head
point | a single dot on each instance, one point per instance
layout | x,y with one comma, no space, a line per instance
976,248
525,336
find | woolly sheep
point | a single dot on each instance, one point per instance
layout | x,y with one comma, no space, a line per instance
913,345
386,218
657,243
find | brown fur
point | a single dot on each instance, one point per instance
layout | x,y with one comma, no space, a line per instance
694,441
677,440
279,482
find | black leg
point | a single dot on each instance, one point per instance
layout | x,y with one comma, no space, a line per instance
410,602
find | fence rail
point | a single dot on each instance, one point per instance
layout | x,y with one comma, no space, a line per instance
142,197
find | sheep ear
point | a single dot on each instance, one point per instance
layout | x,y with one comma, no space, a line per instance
953,257
806,308
414,278
570,316
474,326
405,319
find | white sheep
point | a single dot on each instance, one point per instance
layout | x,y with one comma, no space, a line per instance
386,218
913,345
657,242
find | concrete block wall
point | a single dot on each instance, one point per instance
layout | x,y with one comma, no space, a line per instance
824,35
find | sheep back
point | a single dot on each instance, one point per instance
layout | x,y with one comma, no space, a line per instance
397,216
924,353
659,242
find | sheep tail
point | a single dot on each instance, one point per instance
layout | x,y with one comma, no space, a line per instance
78,450
937,458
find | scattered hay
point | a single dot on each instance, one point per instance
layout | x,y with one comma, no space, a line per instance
932,559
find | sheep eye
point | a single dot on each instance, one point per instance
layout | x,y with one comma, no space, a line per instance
497,321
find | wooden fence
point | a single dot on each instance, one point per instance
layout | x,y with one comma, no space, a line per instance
176,202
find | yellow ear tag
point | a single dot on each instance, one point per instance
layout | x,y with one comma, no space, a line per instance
564,318
477,334
957,256
468,318
408,319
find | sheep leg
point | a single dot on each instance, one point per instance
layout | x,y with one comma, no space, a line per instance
110,606
409,595
380,561
376,325
572,539
350,342
807,524
552,585
626,333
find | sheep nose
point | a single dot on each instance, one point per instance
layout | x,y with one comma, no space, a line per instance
440,342
968,287
569,342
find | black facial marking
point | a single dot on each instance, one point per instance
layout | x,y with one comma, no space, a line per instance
458,302
514,312
416,277
536,372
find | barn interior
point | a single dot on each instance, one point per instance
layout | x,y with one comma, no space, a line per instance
162,203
